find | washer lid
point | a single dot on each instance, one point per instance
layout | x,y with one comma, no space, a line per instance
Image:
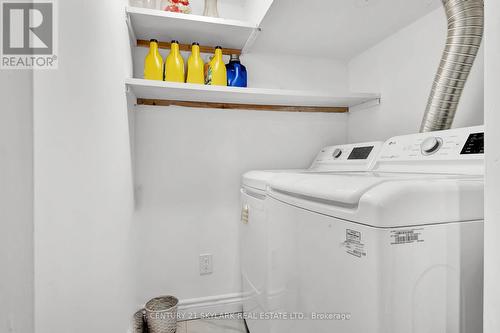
260,178
346,189
385,200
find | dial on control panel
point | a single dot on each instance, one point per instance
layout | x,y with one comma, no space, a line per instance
431,145
337,153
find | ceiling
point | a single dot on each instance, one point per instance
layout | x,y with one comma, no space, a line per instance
335,28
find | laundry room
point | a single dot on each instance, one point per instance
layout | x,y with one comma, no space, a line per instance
260,166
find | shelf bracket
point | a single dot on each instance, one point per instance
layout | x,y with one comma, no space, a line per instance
366,105
130,95
251,39
131,32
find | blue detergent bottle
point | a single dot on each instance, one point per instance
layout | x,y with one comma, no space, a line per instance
236,72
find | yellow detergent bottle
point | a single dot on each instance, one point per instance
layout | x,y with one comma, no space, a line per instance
195,71
174,65
217,75
153,63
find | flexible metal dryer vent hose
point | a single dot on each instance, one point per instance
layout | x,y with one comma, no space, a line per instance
465,32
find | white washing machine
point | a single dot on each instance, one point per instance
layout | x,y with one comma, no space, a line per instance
395,250
259,296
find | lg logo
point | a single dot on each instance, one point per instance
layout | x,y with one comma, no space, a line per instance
28,30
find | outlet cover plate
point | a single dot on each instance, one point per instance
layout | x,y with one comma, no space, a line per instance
206,264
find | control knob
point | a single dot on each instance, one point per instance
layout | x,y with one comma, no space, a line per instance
431,145
337,153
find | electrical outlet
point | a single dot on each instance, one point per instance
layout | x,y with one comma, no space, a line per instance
206,266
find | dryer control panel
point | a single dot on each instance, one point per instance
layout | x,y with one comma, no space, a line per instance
474,144
352,157
443,151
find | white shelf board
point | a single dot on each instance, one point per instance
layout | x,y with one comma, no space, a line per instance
187,28
160,90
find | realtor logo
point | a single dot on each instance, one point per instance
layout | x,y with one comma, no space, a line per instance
28,34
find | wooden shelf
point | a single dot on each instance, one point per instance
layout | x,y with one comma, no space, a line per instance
145,24
161,93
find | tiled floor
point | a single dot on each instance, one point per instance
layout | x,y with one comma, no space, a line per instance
212,326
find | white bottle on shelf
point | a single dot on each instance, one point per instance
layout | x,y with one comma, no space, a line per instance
211,8
151,4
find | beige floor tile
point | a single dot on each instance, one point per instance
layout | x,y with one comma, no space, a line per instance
216,326
181,327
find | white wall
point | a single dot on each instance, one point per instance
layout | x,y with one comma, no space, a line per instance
83,180
274,70
16,201
402,69
492,211
188,168
255,10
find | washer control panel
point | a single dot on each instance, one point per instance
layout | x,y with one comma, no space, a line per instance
360,153
358,156
441,150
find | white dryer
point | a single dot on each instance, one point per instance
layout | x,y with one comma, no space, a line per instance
398,249
259,296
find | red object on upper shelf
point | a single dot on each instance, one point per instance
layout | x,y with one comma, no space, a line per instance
176,6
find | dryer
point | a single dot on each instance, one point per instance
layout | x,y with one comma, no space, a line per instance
261,297
397,249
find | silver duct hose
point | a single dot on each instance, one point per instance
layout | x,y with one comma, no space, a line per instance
465,32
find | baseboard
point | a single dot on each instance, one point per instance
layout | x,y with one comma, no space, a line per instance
203,307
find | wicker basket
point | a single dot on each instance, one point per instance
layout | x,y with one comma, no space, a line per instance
161,314
139,321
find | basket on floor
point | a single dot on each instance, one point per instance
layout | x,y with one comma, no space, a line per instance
139,321
161,314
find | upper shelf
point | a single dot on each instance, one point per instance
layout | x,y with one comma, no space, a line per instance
146,24
168,93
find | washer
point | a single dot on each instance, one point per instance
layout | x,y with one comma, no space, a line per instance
398,249
260,297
